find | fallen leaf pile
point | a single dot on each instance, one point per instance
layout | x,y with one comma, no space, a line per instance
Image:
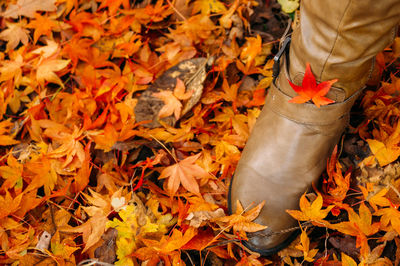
122,123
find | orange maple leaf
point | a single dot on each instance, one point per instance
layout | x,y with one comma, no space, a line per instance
312,212
389,215
113,5
359,225
250,50
6,137
184,172
172,105
165,249
95,226
253,260
42,25
12,174
8,204
309,90
241,221
47,68
336,185
180,90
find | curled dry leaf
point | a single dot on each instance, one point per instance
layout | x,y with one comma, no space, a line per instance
197,218
241,221
44,241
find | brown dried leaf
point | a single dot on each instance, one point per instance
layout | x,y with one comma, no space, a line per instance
28,8
15,34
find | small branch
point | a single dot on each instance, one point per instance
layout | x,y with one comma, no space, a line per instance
176,11
162,144
190,259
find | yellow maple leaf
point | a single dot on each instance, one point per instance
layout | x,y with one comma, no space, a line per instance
359,225
384,153
347,260
47,68
250,50
304,246
387,150
389,215
208,6
375,198
311,211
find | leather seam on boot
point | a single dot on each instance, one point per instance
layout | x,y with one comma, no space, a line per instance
336,38
307,113
322,131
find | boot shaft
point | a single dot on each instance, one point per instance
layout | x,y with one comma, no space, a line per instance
340,40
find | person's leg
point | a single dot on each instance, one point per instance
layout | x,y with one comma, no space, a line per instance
290,143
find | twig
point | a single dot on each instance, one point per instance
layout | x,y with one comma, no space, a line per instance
162,144
395,190
190,259
205,258
199,69
52,218
326,242
177,11
222,243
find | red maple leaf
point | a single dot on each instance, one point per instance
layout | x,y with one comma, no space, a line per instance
309,90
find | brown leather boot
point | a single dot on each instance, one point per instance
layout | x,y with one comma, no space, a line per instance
290,143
